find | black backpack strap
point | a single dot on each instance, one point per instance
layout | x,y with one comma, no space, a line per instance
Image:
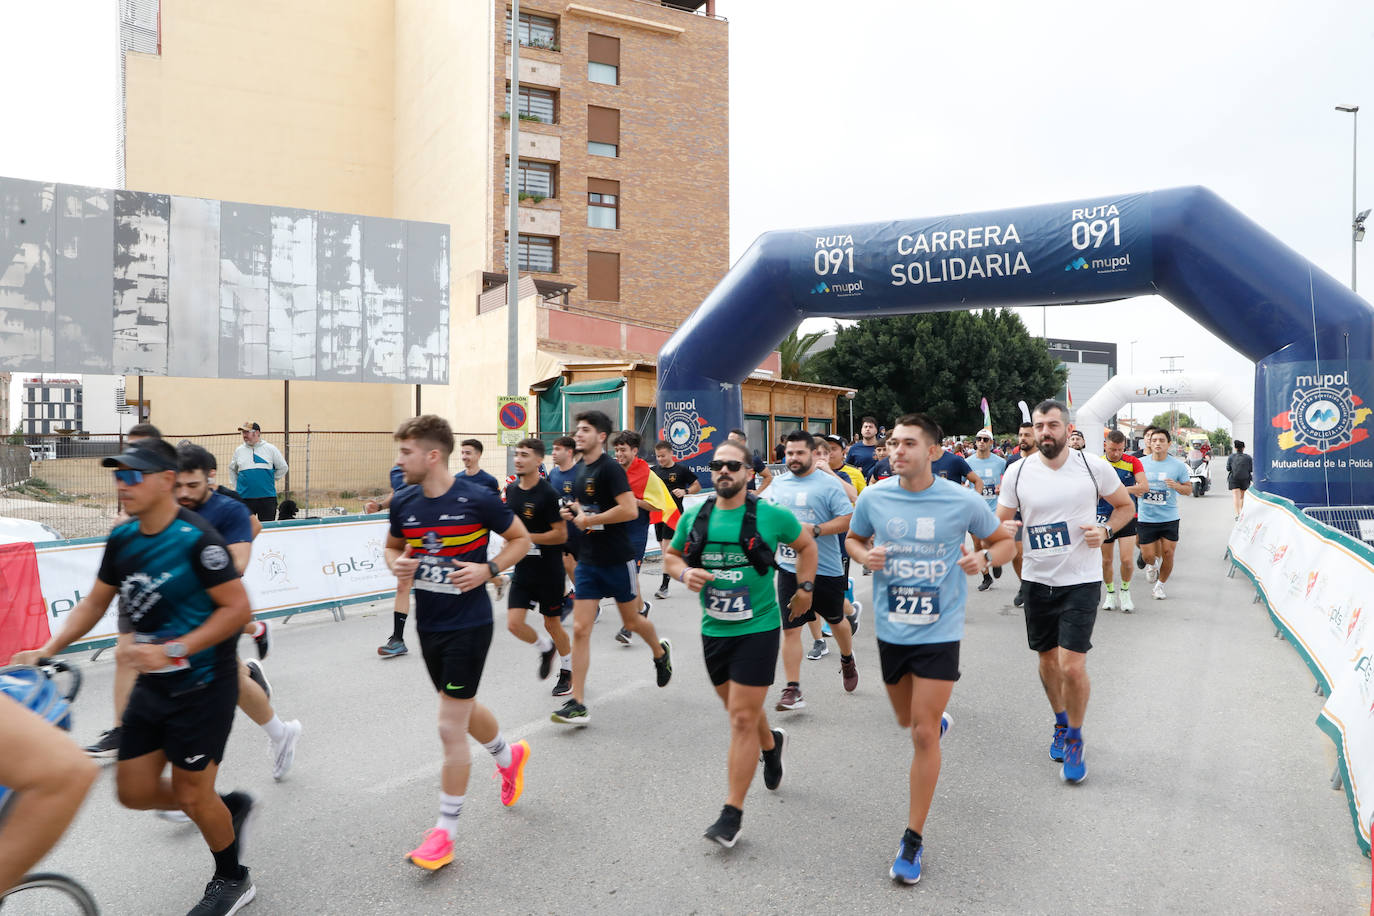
696,538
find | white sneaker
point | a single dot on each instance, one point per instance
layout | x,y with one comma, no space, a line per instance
1158,591
1127,605
1109,603
284,751
1151,572
176,817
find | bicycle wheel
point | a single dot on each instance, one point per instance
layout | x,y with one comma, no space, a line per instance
48,893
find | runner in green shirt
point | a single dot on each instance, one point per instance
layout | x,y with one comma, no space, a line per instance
740,620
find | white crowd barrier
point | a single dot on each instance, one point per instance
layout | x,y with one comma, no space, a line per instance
1318,585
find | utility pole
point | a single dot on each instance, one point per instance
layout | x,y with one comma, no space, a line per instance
513,228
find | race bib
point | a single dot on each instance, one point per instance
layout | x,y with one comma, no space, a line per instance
1102,519
786,553
588,509
729,604
1160,497
989,490
432,575
534,551
1049,540
912,605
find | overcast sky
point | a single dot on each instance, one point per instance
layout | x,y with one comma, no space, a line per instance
880,109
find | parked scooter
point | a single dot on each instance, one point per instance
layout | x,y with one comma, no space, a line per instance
1199,471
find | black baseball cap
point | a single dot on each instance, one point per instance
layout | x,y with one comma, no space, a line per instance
139,458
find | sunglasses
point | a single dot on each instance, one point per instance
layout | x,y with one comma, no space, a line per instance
128,476
983,439
731,466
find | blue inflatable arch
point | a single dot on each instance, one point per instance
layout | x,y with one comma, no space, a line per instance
1312,339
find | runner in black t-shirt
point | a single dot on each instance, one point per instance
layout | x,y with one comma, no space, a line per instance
471,455
538,578
604,506
680,481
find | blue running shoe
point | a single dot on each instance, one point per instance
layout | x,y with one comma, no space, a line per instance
1074,769
849,590
906,868
1057,745
945,723
825,630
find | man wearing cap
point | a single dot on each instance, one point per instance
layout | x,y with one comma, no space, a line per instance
988,468
255,470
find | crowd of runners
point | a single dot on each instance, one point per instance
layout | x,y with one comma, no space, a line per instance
765,555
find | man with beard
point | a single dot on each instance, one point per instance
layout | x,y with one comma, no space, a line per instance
1056,491
1025,445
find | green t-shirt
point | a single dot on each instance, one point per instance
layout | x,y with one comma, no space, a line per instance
739,600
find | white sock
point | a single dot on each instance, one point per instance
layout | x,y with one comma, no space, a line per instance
543,643
450,806
276,728
565,662
500,750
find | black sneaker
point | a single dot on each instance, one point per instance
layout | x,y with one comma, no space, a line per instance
1139,559
725,830
224,896
258,676
572,713
106,746
1020,598
240,805
644,610
772,760
664,663
623,637
986,583
997,572
564,685
854,617
264,639
546,662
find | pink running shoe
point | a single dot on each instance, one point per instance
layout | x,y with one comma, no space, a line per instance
435,852
513,776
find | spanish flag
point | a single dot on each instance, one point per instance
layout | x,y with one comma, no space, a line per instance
649,487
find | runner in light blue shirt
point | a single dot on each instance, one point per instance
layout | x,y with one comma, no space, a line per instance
814,498
1157,522
1160,502
989,468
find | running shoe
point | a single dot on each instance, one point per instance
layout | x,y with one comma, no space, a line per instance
572,713
176,816
791,699
997,572
819,649
1127,605
645,608
435,852
1158,591
772,760
1020,598
1057,743
663,665
946,722
224,896
1109,602
1139,559
906,868
568,600
264,639
1151,573
849,673
258,676
500,583
854,617
546,662
564,685
623,637
284,751
513,776
240,805
986,583
393,648
662,592
106,746
1074,769
725,830
825,629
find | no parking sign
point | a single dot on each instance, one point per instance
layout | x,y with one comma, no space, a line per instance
513,419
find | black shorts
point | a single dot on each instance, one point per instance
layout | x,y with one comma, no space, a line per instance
264,507
827,600
1238,483
1128,530
749,660
936,661
1061,615
1153,531
455,659
663,532
546,595
190,726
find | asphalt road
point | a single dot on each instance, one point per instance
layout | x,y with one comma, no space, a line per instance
1207,786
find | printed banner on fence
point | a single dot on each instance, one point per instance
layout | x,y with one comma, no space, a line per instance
1319,587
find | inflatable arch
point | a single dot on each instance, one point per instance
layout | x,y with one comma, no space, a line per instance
1231,396
1312,339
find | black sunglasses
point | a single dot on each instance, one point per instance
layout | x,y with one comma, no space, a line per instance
731,466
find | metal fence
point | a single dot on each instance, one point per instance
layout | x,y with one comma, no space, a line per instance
1356,521
331,473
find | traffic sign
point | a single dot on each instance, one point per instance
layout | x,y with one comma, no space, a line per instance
513,419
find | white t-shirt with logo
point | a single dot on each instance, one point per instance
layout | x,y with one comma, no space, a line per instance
1054,505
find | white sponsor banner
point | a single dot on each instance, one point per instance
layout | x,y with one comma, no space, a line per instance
1319,587
295,565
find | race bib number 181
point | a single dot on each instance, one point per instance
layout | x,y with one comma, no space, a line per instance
1049,540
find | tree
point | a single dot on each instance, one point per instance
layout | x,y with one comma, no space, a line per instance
793,352
1220,439
941,364
1172,421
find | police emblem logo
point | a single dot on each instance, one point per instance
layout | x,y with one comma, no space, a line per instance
214,557
1323,414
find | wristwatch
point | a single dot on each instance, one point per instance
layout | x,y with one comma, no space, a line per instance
175,649
815,531
1108,529
495,570
807,586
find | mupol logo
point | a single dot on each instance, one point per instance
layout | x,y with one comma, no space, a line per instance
1324,415
853,288
820,287
1078,263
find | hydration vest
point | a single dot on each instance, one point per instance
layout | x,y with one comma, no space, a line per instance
759,554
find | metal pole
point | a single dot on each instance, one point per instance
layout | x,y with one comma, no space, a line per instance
513,230
417,400
1354,112
286,429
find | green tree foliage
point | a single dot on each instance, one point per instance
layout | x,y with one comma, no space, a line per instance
1220,439
942,364
793,352
1171,421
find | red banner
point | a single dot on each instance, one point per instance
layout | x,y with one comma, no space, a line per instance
23,612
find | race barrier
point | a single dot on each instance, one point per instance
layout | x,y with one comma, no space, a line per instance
1315,581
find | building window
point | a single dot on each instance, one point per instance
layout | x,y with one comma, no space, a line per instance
603,203
603,131
603,59
537,179
535,31
535,104
537,253
603,276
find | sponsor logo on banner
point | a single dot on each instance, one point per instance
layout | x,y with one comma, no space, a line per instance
1354,620
686,430
1277,556
1324,415
1313,580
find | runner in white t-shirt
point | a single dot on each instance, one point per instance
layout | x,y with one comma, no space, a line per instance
1056,490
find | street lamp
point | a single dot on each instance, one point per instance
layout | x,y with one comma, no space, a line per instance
849,396
1356,219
